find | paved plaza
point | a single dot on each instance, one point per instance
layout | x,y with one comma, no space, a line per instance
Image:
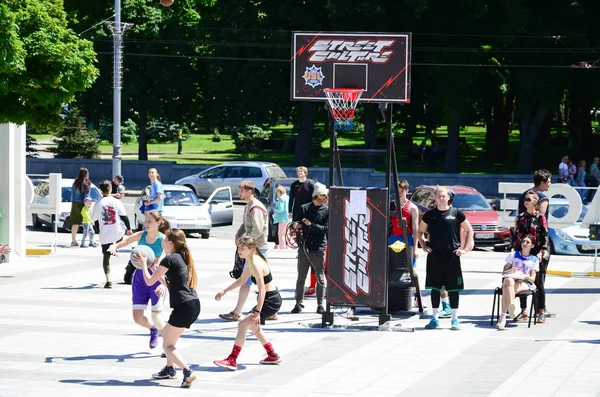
64,335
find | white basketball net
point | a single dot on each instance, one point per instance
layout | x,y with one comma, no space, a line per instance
342,102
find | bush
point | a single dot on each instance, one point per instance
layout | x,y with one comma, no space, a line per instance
246,141
74,140
216,136
160,131
129,132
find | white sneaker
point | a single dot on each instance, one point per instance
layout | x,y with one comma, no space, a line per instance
511,310
501,323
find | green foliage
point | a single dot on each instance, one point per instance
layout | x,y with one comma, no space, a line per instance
74,140
216,137
160,131
129,132
30,150
247,140
43,64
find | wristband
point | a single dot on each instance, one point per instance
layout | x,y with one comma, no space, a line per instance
255,311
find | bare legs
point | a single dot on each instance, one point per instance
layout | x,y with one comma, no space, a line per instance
170,336
242,297
510,288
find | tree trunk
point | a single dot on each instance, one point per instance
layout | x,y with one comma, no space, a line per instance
143,137
451,165
305,130
369,118
529,127
580,127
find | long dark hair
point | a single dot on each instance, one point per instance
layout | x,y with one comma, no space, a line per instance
177,237
163,224
83,180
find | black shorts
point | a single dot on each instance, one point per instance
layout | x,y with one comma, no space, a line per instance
184,314
443,269
271,305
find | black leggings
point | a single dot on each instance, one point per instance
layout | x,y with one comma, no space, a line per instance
435,299
540,280
106,258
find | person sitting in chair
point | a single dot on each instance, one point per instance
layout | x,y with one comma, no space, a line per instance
519,275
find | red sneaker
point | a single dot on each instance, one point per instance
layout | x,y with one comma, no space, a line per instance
271,360
228,363
310,292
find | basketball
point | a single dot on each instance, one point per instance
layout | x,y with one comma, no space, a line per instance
167,3
145,251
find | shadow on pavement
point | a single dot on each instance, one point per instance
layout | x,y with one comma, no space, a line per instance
115,382
120,358
89,286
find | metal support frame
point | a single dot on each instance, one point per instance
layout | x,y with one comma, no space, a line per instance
391,171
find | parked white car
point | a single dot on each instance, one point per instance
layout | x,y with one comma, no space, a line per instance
41,196
184,211
231,174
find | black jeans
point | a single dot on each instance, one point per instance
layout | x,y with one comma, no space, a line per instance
540,280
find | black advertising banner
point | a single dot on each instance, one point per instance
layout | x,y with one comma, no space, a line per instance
358,224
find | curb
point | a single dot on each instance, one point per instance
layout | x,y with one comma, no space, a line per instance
38,251
568,273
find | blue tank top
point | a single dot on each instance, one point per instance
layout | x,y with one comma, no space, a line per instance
156,246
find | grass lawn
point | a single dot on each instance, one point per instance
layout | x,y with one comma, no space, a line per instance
200,149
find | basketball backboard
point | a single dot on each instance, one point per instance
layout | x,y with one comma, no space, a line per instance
378,63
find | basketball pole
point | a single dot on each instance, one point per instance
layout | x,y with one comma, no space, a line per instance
393,167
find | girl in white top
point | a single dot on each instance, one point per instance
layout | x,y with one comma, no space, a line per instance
519,275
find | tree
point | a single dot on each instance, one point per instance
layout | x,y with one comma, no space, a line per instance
44,64
74,140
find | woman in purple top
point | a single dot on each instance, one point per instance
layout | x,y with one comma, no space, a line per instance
152,237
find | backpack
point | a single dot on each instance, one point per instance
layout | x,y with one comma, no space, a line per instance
238,267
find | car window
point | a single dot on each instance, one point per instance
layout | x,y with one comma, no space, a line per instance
471,202
559,211
222,196
254,172
235,172
419,196
274,171
266,190
180,198
217,172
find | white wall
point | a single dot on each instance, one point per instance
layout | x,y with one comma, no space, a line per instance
12,189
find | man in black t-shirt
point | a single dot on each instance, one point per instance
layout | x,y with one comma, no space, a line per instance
118,189
542,179
301,192
444,224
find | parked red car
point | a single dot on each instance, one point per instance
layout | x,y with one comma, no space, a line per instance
481,215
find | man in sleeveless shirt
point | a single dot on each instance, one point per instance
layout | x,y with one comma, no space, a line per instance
410,214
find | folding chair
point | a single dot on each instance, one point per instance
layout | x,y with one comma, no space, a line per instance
498,301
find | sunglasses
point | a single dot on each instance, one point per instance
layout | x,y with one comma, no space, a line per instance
528,199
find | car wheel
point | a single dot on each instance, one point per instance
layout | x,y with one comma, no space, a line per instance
67,224
192,189
256,193
37,224
205,235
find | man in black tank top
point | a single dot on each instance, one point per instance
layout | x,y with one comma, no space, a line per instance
444,224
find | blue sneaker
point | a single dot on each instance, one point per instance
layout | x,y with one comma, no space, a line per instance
153,337
446,311
165,373
188,378
433,323
455,326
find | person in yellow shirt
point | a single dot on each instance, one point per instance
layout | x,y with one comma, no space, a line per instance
88,225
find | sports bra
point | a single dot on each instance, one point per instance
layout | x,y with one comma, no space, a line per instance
267,278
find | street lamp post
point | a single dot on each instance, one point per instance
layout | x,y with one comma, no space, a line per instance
117,84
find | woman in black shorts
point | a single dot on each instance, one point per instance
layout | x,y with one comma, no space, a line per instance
269,303
178,268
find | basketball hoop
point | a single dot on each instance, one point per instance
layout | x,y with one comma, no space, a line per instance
342,102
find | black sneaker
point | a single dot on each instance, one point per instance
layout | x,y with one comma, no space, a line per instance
547,314
298,308
521,317
320,309
163,355
108,284
165,373
188,378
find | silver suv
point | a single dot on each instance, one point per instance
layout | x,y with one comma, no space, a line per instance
231,174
